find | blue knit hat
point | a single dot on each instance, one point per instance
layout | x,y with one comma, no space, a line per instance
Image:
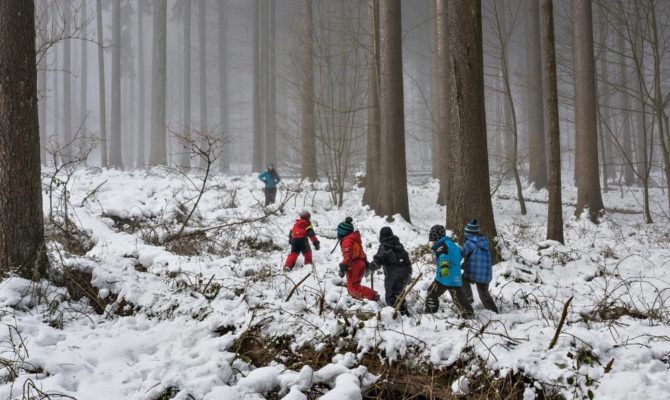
472,228
345,228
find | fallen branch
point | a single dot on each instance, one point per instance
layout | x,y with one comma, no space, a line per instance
401,299
564,314
296,286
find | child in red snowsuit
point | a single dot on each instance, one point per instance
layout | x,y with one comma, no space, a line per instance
297,238
354,261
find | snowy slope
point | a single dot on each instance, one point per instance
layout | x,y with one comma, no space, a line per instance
187,314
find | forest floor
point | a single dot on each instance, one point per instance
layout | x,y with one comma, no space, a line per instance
138,308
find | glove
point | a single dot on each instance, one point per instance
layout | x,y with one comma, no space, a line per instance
372,266
343,270
317,245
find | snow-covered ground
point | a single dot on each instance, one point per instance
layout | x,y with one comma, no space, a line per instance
173,324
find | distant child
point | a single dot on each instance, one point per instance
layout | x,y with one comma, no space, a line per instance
270,178
297,238
477,266
354,261
397,266
447,275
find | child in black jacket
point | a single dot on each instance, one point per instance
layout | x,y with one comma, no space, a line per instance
397,266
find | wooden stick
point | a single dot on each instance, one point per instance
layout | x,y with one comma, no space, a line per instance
401,299
564,314
296,286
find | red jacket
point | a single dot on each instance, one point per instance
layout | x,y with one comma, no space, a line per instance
352,248
302,228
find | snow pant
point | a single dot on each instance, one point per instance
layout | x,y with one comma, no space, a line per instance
270,195
484,294
460,299
298,246
355,274
395,280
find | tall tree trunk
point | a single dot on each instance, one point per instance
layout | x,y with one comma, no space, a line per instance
141,121
604,121
185,156
435,139
83,102
393,170
627,148
224,162
271,92
158,83
115,155
42,79
555,209
588,184
307,126
469,194
68,136
257,155
22,249
537,168
441,152
202,64
101,87
373,146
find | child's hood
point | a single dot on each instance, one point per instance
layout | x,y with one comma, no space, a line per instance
480,241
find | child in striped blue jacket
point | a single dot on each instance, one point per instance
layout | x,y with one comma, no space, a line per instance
477,266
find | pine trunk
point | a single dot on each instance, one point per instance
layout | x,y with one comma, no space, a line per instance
271,88
627,146
83,102
22,248
158,140
141,133
184,146
469,194
555,209
393,171
257,155
223,90
202,64
442,86
586,126
68,135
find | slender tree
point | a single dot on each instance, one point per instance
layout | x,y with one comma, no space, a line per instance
101,87
68,135
185,156
271,85
393,171
202,64
223,88
83,99
624,105
115,154
42,76
588,182
257,154
22,249
469,194
141,86
158,83
555,210
537,168
307,127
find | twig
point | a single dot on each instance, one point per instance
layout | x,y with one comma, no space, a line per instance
401,299
296,286
564,314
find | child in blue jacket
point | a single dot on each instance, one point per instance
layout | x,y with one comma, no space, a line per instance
447,275
270,179
477,266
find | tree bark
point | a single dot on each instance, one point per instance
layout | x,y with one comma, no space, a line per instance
373,146
257,155
202,64
223,89
184,150
441,152
393,171
42,79
101,87
115,155
83,102
141,133
68,135
469,194
629,157
307,126
588,184
537,168
271,83
555,208
22,248
158,142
